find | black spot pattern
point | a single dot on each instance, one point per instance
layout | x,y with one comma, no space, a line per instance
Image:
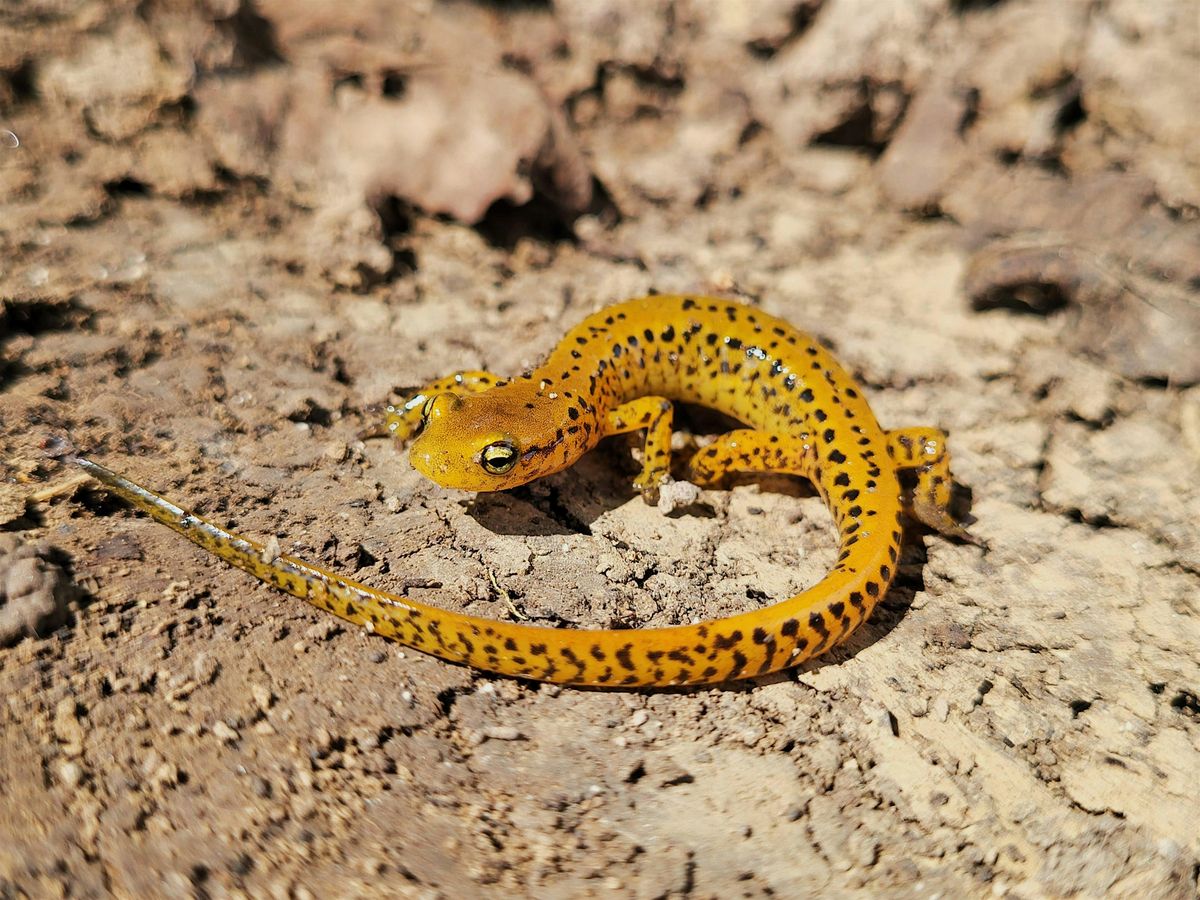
617,371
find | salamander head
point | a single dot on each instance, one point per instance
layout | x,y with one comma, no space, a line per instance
494,440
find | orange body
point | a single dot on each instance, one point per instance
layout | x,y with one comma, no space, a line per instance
618,371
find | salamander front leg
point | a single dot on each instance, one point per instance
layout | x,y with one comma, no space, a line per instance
655,414
923,450
404,420
747,450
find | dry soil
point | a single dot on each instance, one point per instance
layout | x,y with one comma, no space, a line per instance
232,231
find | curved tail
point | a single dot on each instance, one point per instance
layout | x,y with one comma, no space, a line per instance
743,645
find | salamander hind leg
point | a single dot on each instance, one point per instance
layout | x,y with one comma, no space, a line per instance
655,415
924,452
404,420
747,450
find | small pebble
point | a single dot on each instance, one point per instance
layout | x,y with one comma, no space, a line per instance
677,495
263,698
67,728
322,741
224,733
502,733
70,774
366,738
940,709
373,867
271,551
323,630
205,668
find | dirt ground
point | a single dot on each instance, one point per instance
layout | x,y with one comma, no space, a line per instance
234,229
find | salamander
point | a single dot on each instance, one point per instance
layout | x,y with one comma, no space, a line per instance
621,370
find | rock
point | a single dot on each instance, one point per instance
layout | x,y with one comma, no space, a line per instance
502,733
67,729
677,495
927,148
205,668
263,698
70,774
1140,327
35,590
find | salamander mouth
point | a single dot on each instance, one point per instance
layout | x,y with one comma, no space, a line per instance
432,465
452,471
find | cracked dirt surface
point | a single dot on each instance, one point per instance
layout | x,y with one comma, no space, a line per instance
232,231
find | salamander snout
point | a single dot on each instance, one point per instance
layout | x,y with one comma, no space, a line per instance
464,444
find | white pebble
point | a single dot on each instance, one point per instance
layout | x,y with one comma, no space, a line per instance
502,733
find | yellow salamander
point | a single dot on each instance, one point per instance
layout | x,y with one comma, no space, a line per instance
618,371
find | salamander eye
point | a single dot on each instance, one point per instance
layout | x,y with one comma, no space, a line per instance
498,458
